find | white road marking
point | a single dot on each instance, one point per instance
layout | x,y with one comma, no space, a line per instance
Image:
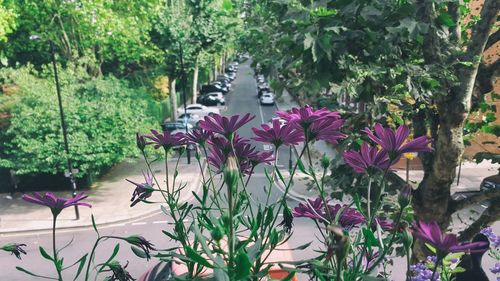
261,114
138,223
158,222
484,206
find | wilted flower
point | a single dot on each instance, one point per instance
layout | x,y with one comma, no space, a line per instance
224,125
394,142
165,139
140,141
119,272
287,222
142,190
15,249
404,197
142,243
445,243
368,159
278,135
56,204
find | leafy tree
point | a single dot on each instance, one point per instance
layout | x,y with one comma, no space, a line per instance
408,61
102,117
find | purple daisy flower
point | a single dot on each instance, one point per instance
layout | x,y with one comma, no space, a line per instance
311,209
56,204
278,135
217,159
223,144
445,243
142,190
264,157
225,126
394,142
198,136
349,217
165,139
327,130
367,159
306,115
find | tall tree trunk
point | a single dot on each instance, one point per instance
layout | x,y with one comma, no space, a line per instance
195,81
173,99
432,198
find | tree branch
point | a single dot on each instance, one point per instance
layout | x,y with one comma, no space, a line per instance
481,31
454,12
457,205
495,37
489,216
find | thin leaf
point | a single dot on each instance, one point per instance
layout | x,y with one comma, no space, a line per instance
139,252
192,254
94,224
45,254
80,267
113,255
33,274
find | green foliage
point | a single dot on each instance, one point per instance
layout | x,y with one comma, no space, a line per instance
102,116
7,21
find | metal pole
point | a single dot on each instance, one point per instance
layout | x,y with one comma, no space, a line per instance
459,172
63,126
183,78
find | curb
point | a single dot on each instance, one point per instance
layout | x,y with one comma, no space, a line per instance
106,224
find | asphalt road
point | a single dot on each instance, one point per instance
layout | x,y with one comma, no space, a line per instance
241,100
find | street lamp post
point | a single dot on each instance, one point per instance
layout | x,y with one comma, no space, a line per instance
183,79
70,174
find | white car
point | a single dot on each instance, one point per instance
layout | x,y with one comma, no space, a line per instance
218,96
192,119
199,110
267,99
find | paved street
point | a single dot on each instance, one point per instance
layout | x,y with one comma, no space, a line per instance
241,100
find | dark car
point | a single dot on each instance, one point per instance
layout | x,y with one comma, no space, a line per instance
207,100
491,182
213,88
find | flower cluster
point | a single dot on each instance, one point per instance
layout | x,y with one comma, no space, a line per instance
494,239
420,271
165,139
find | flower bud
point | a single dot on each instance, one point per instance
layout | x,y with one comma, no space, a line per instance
141,141
15,249
325,162
287,222
142,243
404,197
231,172
407,238
217,233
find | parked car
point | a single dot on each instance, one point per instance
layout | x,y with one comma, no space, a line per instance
491,182
263,88
267,99
176,127
199,110
231,75
191,118
213,88
211,99
222,85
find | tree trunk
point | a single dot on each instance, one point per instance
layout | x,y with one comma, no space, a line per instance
195,81
173,99
432,198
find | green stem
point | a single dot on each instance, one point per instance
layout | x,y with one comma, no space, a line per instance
368,198
166,170
435,269
408,256
91,257
54,220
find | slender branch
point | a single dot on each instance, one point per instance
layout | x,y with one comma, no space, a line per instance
457,205
489,216
481,31
493,39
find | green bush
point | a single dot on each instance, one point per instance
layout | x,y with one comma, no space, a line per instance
102,117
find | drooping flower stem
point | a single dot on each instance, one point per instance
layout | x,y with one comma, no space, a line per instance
58,269
435,268
149,167
273,176
211,179
368,198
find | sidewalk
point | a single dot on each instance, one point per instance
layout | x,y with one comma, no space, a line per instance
110,199
470,178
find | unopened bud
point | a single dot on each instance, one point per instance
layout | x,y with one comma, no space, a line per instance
404,197
217,233
407,238
325,162
141,141
231,172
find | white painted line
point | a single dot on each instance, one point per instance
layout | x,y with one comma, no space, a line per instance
138,223
261,114
484,206
158,222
